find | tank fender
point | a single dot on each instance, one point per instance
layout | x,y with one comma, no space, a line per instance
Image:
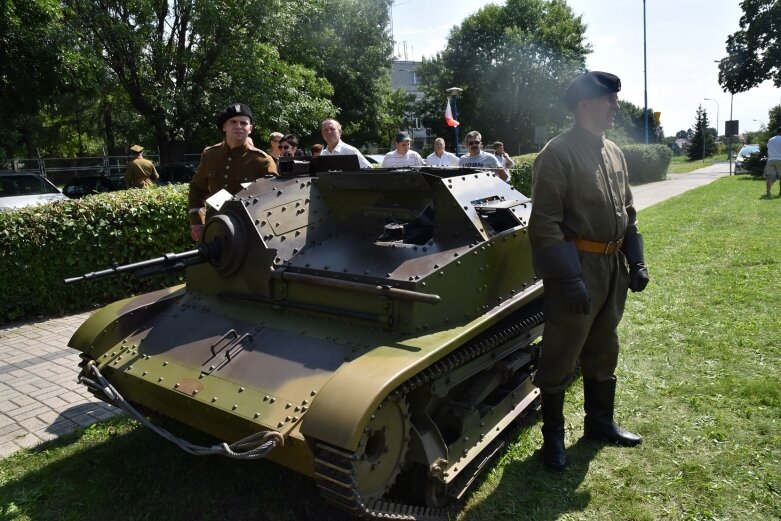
110,324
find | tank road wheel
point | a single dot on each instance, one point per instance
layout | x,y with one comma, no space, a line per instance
382,449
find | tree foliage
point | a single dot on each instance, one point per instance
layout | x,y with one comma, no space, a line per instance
701,132
753,52
180,63
513,62
630,125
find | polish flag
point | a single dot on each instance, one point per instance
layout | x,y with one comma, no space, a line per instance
449,116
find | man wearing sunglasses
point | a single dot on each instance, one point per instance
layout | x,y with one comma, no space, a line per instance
588,252
289,146
477,158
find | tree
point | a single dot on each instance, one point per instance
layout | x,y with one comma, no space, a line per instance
753,52
630,125
179,63
701,132
681,134
513,62
348,43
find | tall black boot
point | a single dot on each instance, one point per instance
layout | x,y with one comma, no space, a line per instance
599,425
553,453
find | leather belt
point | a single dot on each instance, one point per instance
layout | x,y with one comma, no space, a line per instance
604,248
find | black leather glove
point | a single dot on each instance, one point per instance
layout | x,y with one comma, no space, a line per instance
638,277
638,271
575,295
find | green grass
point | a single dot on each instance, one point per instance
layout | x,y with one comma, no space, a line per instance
698,378
682,165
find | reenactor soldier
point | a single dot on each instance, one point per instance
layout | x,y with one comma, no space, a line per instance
228,164
140,173
587,250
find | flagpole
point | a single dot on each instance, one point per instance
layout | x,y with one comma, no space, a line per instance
454,92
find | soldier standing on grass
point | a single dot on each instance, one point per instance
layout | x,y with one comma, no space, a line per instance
587,250
227,165
140,173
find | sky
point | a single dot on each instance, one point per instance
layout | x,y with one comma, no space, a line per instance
683,40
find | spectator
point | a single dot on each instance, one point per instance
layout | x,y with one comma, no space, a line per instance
587,250
289,146
316,149
140,173
227,165
440,157
504,158
273,144
402,156
477,158
332,134
773,167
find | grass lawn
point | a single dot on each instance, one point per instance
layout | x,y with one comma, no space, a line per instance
681,164
698,378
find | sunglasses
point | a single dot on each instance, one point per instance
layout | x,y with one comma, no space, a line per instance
471,143
285,147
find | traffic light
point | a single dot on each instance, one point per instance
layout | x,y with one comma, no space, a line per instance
657,117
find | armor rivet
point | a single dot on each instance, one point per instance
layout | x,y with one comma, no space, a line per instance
313,393
234,407
280,424
145,373
214,399
241,389
195,391
160,379
165,364
295,419
306,401
287,418
265,398
257,415
176,385
288,406
272,400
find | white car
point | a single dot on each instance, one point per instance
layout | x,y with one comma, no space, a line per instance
19,190
745,151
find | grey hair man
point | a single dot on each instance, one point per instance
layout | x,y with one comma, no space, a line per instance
332,134
440,156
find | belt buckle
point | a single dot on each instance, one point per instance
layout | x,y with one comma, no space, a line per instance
608,245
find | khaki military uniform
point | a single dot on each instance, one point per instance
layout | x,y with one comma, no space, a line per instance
141,173
222,167
581,191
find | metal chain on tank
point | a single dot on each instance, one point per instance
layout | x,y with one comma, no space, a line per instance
255,446
334,471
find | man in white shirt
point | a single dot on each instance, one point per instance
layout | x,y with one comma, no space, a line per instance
477,158
503,157
332,134
773,167
402,156
440,157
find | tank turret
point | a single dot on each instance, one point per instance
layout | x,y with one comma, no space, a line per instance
372,328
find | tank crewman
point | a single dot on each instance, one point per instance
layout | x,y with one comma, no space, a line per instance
228,164
587,250
140,172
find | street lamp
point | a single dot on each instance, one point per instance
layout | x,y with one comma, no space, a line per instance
717,116
454,92
729,138
645,80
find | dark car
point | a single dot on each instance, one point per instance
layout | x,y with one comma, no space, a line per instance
22,189
93,184
175,173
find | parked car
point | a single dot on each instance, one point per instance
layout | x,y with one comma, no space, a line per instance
175,173
742,155
375,159
22,189
93,184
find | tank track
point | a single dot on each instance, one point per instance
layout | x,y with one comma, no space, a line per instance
334,466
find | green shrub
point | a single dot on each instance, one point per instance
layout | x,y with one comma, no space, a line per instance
40,246
521,173
647,163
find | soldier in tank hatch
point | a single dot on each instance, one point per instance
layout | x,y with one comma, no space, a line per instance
588,251
228,164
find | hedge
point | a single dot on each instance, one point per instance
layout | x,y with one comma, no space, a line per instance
646,163
42,245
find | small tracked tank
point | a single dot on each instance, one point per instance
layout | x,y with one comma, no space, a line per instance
374,329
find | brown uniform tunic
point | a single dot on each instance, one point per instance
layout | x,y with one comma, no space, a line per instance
140,173
222,167
581,190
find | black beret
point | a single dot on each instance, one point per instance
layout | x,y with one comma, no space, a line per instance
231,111
590,85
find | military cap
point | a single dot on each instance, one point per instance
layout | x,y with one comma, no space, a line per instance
137,149
402,136
233,110
590,85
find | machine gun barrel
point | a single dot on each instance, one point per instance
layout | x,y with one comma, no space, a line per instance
169,261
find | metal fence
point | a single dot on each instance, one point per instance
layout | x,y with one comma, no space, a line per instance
60,170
